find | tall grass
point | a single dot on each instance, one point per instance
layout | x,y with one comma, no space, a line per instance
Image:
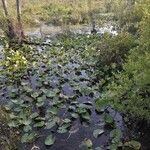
60,12
54,11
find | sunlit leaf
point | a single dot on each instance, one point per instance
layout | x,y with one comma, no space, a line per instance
98,132
133,144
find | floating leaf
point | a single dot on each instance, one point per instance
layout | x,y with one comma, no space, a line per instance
53,110
50,94
74,115
50,124
40,104
41,99
39,119
39,124
25,122
44,90
88,143
98,148
85,116
28,137
116,133
72,108
50,140
34,115
101,104
27,128
98,132
24,83
66,120
27,89
133,144
113,147
35,94
63,96
108,119
62,130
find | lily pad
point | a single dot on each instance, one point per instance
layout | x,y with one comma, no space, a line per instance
108,119
116,133
53,110
66,120
35,94
28,137
98,148
133,144
74,115
39,124
50,94
50,124
98,132
27,128
88,143
34,115
50,140
62,130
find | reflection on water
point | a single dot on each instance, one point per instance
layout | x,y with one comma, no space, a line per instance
51,30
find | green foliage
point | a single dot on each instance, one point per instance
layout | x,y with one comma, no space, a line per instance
114,49
14,63
54,11
28,137
8,136
115,136
129,91
111,53
133,144
49,140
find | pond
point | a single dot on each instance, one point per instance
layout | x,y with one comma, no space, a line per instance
54,102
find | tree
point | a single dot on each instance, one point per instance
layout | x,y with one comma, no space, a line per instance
91,15
13,32
10,28
20,27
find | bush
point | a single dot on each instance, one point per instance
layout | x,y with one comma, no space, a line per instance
129,92
114,49
111,54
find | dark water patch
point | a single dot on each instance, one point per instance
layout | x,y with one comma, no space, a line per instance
67,90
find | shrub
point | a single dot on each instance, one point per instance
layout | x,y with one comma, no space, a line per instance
129,92
114,49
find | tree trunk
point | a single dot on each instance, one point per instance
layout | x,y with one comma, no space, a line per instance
20,27
10,28
91,15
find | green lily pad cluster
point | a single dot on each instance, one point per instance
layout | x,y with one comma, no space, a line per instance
57,91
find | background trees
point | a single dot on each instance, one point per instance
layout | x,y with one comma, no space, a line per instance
129,91
13,31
